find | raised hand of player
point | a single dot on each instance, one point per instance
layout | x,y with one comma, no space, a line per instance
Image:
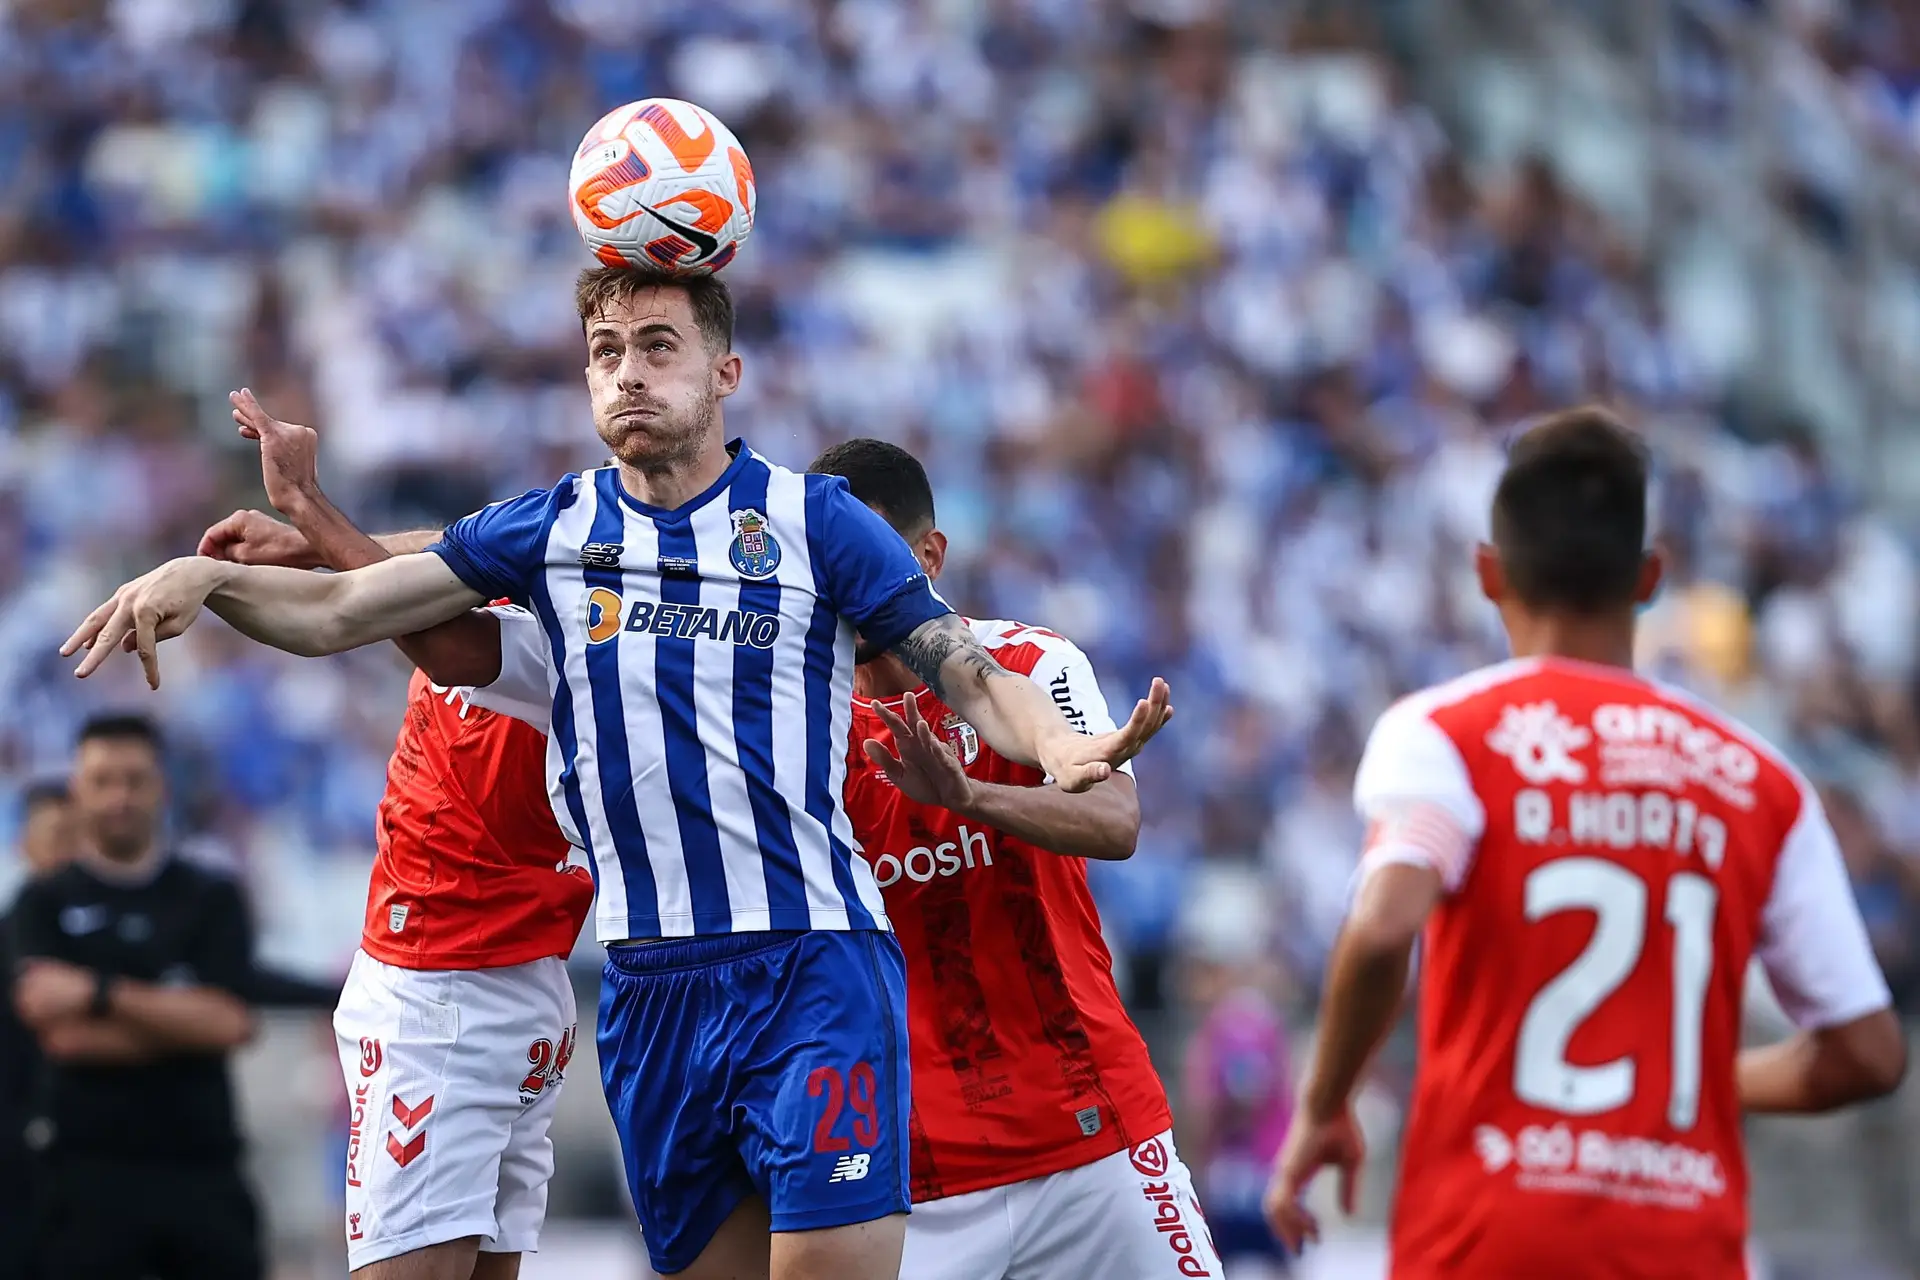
289,453
925,769
1310,1147
153,607
1075,761
254,537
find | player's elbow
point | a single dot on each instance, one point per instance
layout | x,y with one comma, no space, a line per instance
1876,1054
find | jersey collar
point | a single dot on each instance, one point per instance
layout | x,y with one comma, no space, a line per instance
741,456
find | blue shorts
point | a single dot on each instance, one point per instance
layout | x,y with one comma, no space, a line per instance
769,1063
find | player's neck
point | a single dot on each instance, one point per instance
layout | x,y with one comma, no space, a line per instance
1603,641
677,481
884,677
124,865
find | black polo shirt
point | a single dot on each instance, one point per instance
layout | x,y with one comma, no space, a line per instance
183,925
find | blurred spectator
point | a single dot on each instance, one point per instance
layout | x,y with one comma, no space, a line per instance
46,842
127,962
1238,1100
1888,889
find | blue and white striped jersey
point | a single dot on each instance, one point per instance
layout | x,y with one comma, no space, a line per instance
700,666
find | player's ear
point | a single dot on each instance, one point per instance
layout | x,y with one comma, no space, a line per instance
1653,569
931,551
726,374
1492,574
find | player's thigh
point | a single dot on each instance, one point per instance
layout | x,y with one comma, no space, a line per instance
666,1030
526,1165
431,1065
868,1250
823,1094
1130,1216
496,1266
739,1249
964,1237
449,1260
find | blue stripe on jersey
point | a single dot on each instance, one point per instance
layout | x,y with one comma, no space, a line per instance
753,738
610,728
822,803
563,728
680,728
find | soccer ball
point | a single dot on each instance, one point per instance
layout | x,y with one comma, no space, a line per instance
663,184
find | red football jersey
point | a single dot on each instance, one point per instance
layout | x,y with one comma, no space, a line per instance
1024,1060
1614,852
472,870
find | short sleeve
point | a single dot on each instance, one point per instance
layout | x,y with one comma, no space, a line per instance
1813,943
522,689
1065,672
499,548
221,954
1413,791
865,570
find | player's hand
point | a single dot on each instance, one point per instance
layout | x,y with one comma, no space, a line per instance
924,768
153,607
1075,761
289,453
254,537
50,991
1310,1147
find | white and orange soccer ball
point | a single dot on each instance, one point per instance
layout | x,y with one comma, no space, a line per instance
662,183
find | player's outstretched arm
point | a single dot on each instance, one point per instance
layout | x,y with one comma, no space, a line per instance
463,651
305,613
1015,716
1101,822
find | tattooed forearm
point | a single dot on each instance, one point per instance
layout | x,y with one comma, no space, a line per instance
933,644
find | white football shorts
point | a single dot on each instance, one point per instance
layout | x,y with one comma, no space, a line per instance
452,1076
1129,1216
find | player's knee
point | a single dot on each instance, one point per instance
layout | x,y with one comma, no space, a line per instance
858,1251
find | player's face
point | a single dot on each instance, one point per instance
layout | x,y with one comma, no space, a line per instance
117,794
656,387
48,837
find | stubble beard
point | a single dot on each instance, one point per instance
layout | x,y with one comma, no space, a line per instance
665,443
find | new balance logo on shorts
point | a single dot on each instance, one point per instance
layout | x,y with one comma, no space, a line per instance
851,1168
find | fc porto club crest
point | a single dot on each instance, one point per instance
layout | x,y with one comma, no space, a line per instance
753,552
961,734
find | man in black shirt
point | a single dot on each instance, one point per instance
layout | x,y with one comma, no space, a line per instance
130,971
46,843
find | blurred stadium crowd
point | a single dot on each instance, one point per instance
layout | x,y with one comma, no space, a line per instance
1209,320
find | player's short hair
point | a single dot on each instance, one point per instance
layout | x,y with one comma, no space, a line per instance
1570,513
38,795
709,296
121,726
886,478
